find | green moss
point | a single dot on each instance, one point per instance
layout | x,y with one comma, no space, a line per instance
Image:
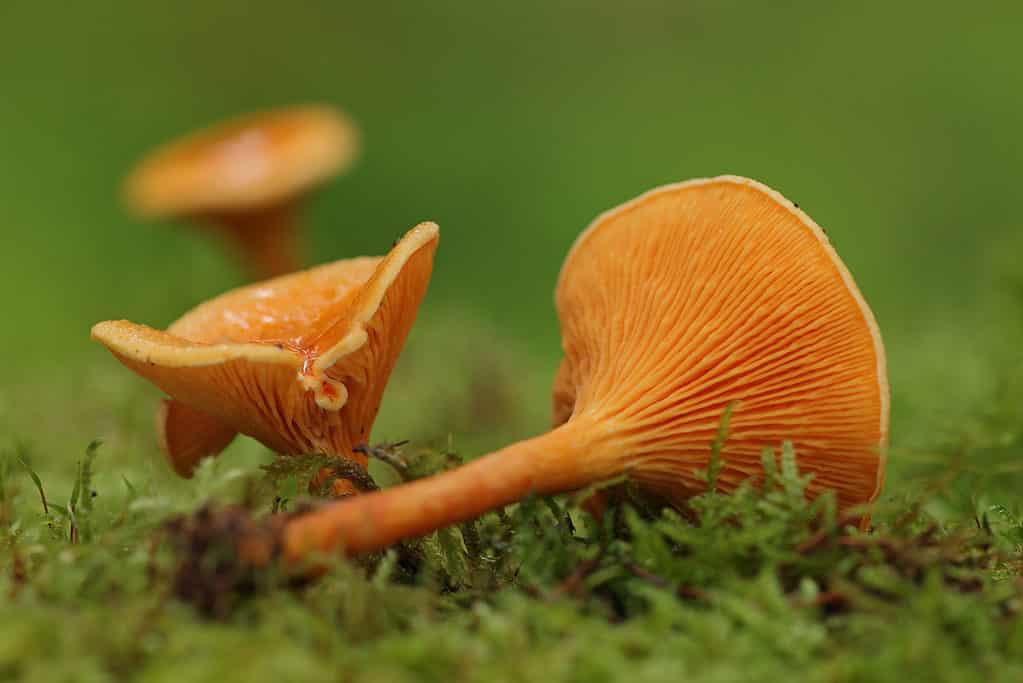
756,585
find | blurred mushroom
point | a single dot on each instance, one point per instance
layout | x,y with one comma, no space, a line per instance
299,362
246,178
687,299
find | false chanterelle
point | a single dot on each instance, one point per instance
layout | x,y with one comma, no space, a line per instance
245,178
298,362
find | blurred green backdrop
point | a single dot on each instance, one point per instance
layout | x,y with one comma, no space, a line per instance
895,125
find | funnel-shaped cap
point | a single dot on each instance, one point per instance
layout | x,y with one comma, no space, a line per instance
298,362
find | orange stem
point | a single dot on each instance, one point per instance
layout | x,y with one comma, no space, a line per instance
266,239
544,465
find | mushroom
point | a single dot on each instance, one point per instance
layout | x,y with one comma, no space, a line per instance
245,177
298,362
674,306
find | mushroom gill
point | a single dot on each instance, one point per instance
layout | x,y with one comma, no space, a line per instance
687,299
298,362
698,295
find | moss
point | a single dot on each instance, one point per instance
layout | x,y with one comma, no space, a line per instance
755,585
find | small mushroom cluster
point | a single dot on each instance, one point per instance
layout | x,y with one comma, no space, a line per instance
687,301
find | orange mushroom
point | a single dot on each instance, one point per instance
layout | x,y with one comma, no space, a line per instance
298,362
687,299
245,177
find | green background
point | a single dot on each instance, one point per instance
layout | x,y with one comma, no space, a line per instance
895,125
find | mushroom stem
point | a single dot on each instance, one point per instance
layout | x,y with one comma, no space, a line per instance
266,239
551,463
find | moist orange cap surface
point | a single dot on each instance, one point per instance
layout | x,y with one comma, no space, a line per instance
249,162
299,362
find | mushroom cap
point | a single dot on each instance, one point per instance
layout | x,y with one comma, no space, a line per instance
698,294
245,163
299,362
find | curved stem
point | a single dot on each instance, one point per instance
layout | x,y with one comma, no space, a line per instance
547,464
267,239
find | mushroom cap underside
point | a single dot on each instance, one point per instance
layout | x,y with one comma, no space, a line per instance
700,294
246,163
298,362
